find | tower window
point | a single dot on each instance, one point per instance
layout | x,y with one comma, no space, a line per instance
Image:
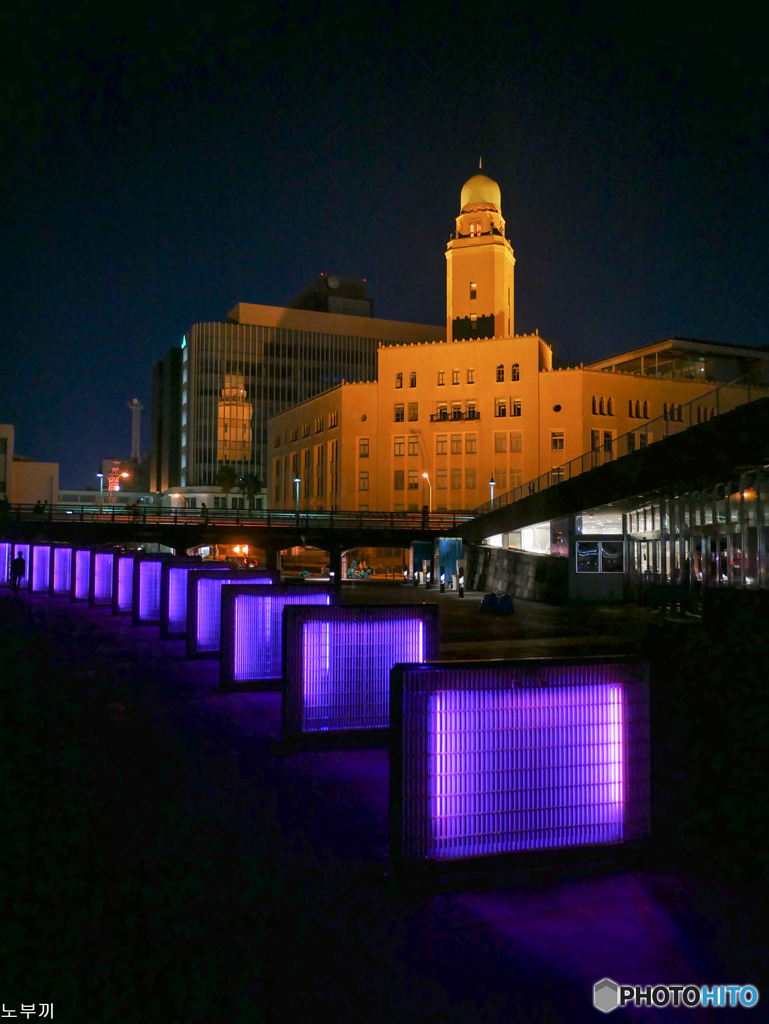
473,290
516,373
399,380
500,374
413,379
455,377
441,378
471,376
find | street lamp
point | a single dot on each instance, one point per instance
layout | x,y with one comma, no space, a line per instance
297,481
492,485
101,489
186,503
427,478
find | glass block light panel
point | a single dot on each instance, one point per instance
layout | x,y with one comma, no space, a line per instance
102,571
81,574
40,568
123,583
173,596
204,606
5,561
491,758
61,571
13,550
252,632
145,610
338,662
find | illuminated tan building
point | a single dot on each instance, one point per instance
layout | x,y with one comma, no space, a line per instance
486,404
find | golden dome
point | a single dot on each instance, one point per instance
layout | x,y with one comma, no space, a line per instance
481,189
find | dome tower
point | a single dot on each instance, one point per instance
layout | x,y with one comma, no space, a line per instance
479,266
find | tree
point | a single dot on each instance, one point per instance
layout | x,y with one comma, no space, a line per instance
251,485
227,478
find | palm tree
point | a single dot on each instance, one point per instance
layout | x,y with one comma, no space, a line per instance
251,485
227,478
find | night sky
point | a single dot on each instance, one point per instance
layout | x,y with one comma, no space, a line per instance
159,169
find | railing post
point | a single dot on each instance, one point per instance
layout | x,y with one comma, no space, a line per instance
112,517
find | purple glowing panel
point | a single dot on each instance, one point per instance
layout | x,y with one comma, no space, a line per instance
24,551
102,577
41,568
62,571
258,631
522,758
82,574
208,624
149,590
5,561
125,582
177,597
338,662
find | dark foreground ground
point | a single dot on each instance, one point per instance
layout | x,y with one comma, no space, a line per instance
164,861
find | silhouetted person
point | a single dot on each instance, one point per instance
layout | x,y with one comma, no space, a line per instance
425,516
204,510
18,568
38,509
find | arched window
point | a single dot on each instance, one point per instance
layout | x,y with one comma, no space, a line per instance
638,410
500,373
472,229
610,407
601,411
516,372
477,227
646,411
630,408
594,409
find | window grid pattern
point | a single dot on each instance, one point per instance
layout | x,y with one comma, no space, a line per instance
497,760
338,662
103,570
5,561
61,581
173,599
41,568
13,549
82,581
252,631
204,607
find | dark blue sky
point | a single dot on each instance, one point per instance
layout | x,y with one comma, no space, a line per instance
159,169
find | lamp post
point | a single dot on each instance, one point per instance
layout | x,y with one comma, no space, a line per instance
297,481
101,490
186,502
427,478
492,485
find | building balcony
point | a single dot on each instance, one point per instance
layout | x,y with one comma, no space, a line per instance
447,417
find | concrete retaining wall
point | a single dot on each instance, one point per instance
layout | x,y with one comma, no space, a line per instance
519,573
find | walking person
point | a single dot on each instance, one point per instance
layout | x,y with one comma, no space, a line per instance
204,510
18,568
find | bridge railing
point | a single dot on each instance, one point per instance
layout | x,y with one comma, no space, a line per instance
674,420
153,515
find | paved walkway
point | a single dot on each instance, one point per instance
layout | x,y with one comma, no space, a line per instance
169,863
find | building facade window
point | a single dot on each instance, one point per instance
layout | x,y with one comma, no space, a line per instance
556,440
516,442
442,410
441,378
399,446
470,479
398,413
610,407
500,374
456,410
333,419
318,424
515,407
500,475
413,446
363,447
413,480
363,481
630,408
305,430
473,289
500,407
595,440
413,379
600,407
516,372
413,412
456,479
398,480
500,442
440,478
471,444
595,406
399,380
456,444
516,477
441,442
295,433
638,410
471,413
471,376
607,438
646,411
455,377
